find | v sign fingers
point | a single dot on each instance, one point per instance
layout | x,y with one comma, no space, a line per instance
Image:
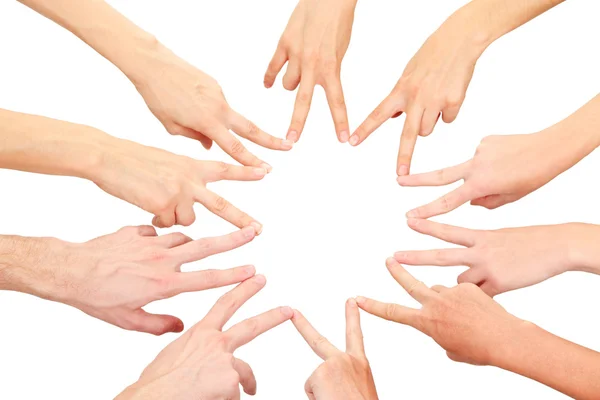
318,343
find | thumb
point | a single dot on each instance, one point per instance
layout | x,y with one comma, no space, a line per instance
155,324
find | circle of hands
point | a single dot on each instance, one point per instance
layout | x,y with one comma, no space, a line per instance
118,274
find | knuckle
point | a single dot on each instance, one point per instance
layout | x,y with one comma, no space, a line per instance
228,301
251,129
310,57
304,98
211,278
329,67
220,204
318,342
390,311
237,147
223,167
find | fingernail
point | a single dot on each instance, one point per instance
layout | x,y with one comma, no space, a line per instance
260,279
287,312
296,314
293,136
257,227
250,270
360,300
287,144
249,231
354,140
260,172
266,167
412,214
352,303
344,135
403,170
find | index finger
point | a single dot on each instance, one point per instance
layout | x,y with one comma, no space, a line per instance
248,130
354,336
444,204
221,207
408,140
417,289
441,177
337,106
384,111
320,345
301,107
248,330
232,146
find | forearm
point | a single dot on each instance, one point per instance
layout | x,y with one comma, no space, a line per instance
583,248
562,365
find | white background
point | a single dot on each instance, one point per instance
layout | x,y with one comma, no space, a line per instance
332,213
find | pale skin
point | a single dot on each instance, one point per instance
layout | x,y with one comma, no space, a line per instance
436,79
313,45
473,328
162,183
185,100
509,259
507,168
201,364
114,276
343,375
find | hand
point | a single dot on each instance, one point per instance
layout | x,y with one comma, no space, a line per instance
468,324
346,375
503,170
434,83
314,44
168,185
114,276
505,259
190,103
200,364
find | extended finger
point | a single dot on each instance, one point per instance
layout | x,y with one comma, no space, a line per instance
216,171
184,282
389,311
444,204
248,130
408,140
354,336
199,249
301,107
337,106
442,258
447,233
413,287
430,118
275,66
231,301
232,146
221,207
440,177
320,345
246,331
247,378
384,111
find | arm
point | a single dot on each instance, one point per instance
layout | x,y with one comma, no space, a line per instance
436,79
185,100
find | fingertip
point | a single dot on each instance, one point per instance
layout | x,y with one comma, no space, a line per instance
360,300
391,262
403,170
178,327
287,312
354,140
413,222
250,270
352,303
260,279
344,136
257,226
266,167
287,144
249,231
292,136
412,214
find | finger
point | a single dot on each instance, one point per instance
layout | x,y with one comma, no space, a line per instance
291,79
141,321
205,141
320,345
246,331
447,233
216,171
164,220
476,276
489,289
231,301
354,336
247,378
192,134
440,177
450,113
202,248
221,207
441,258
308,388
250,131
173,240
494,201
430,118
185,282
301,107
408,140
146,230
414,287
389,311
184,214
337,106
444,204
384,111
277,62
439,288
232,146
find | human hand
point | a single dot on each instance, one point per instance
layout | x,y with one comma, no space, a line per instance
434,83
190,103
467,323
168,185
114,276
503,170
200,364
505,259
343,375
314,44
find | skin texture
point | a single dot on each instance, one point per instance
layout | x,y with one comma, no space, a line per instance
185,100
507,168
507,259
474,329
313,45
435,81
343,375
200,364
114,276
162,183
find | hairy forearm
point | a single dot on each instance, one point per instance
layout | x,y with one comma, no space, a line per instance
562,365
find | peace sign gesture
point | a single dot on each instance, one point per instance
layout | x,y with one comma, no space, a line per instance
200,364
343,375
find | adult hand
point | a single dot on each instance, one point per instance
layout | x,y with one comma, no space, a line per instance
200,364
467,323
505,259
313,45
114,276
343,375
503,170
168,185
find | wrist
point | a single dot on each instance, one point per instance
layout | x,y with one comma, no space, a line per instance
582,244
466,26
509,354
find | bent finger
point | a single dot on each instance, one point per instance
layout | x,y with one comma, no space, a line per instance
277,62
247,378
